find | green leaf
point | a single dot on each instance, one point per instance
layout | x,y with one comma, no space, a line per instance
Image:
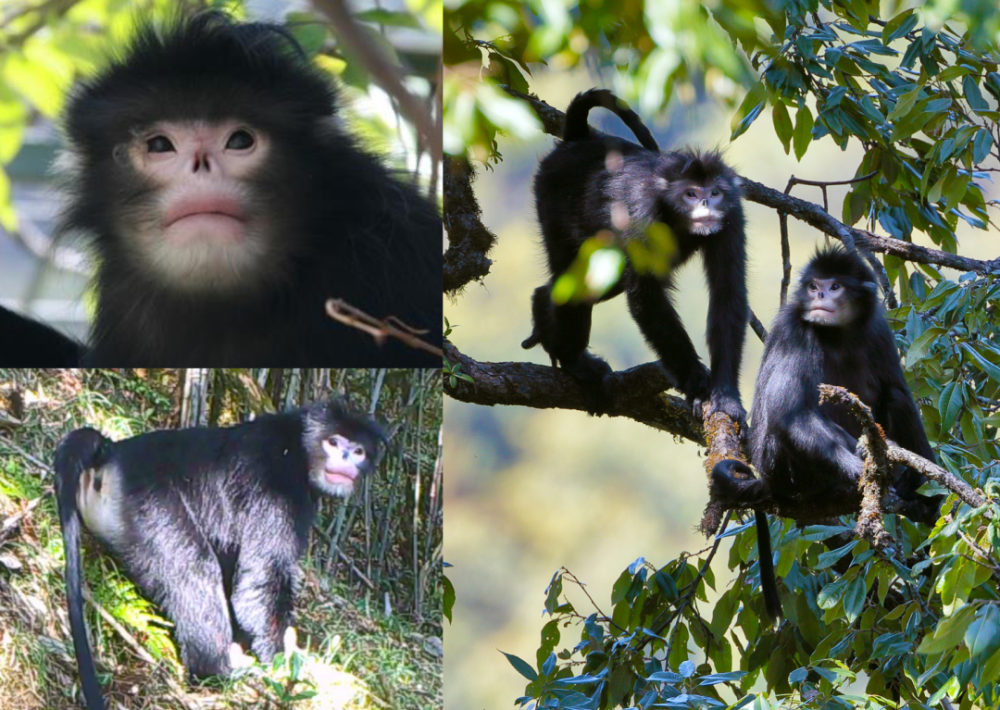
748,111
854,598
899,26
922,343
829,558
980,146
950,404
982,363
782,125
389,18
803,131
449,598
521,666
983,634
949,632
972,94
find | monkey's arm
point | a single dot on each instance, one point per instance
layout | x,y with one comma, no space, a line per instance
662,328
728,310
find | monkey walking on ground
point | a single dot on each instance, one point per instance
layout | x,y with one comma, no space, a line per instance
207,168
697,196
209,523
831,331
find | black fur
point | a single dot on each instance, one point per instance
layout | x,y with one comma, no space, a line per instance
348,226
28,343
804,450
574,193
212,524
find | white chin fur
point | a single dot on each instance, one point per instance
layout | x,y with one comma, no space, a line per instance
204,262
340,488
705,228
817,317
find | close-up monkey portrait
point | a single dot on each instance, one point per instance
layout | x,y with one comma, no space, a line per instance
209,170
251,537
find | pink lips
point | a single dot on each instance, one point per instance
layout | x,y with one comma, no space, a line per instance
222,206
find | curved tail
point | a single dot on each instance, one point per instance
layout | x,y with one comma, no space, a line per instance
577,128
78,451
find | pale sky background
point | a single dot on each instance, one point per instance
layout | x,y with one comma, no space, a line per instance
529,490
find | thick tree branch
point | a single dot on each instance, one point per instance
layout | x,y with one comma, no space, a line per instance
637,393
469,241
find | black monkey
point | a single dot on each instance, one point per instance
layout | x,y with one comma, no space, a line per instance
831,331
28,343
579,186
209,523
208,170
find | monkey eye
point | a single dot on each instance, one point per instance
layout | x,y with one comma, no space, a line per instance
359,451
240,140
159,144
813,286
690,193
835,287
715,192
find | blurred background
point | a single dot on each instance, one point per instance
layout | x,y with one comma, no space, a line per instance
528,491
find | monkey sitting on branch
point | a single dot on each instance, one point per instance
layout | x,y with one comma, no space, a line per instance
831,331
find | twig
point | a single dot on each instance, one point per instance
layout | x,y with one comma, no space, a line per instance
345,313
388,76
874,481
934,472
361,576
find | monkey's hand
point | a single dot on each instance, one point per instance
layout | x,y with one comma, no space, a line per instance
733,482
729,404
696,388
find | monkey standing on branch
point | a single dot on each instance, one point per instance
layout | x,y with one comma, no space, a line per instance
831,331
208,169
209,523
697,196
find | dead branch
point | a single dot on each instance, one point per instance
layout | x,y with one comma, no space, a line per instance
391,327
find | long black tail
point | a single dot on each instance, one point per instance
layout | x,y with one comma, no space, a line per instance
768,582
732,482
577,128
78,451
28,342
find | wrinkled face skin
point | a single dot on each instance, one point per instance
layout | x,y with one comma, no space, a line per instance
344,462
199,231
704,205
826,302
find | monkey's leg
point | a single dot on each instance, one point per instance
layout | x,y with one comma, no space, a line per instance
180,571
262,601
663,330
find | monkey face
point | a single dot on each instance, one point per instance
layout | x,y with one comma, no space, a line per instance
704,204
197,230
344,461
827,302
342,447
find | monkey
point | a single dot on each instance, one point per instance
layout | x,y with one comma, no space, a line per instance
209,523
831,331
578,188
208,169
28,343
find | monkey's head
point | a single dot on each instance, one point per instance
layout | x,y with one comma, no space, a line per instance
836,289
341,446
187,150
700,190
